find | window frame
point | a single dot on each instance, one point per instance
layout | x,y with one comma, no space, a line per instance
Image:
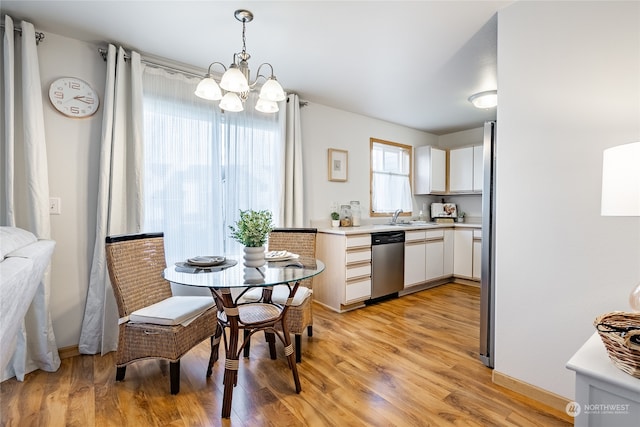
409,150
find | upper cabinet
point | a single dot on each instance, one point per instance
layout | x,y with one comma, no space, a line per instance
465,170
430,170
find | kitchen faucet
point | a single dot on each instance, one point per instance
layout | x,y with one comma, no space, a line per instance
395,216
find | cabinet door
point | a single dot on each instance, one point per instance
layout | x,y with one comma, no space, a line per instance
461,170
435,259
448,252
477,257
463,253
414,268
430,170
478,168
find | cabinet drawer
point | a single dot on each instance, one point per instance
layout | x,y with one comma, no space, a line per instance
355,256
359,270
358,290
411,236
434,234
358,240
477,234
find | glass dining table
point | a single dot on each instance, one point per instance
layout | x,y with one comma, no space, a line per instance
227,284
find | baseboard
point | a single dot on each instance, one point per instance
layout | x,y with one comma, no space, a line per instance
67,352
557,404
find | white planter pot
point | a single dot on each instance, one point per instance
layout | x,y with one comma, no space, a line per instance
335,223
254,257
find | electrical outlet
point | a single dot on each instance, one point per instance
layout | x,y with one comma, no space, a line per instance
54,206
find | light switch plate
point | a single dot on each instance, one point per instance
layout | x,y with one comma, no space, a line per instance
55,206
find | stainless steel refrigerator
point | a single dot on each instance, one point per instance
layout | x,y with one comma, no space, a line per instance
487,296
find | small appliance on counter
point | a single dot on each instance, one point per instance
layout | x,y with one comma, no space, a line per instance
443,212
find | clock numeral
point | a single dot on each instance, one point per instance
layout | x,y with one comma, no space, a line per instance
58,95
74,110
89,100
74,85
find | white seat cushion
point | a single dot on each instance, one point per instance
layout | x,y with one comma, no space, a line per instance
12,238
176,310
279,295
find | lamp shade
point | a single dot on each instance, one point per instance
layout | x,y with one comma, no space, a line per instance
208,89
265,106
234,81
272,91
621,180
231,102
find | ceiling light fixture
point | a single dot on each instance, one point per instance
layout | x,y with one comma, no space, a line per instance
235,80
486,99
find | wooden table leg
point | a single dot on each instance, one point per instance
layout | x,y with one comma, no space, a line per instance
231,358
288,347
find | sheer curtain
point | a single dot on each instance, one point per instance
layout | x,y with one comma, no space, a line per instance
202,166
26,172
119,193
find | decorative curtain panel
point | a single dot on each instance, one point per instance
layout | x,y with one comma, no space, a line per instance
25,173
293,200
120,207
203,165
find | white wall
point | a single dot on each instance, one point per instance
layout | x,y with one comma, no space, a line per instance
73,155
325,127
569,88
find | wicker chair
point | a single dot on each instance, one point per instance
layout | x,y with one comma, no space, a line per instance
136,263
301,241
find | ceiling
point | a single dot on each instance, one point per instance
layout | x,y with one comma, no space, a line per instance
412,63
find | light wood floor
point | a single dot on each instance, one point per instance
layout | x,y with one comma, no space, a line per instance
411,361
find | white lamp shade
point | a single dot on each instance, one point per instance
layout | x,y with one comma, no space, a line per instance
234,81
621,180
208,89
266,106
487,99
272,91
231,102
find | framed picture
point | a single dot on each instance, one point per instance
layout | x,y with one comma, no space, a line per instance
338,164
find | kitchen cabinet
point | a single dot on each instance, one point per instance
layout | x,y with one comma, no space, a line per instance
467,248
430,170
465,170
448,252
415,254
346,280
424,256
477,254
463,253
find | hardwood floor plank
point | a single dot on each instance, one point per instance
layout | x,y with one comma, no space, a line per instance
411,361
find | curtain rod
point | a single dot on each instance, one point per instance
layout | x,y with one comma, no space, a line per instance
103,53
39,35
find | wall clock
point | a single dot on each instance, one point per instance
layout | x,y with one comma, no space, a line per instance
73,97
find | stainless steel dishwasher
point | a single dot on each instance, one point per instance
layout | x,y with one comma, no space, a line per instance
387,263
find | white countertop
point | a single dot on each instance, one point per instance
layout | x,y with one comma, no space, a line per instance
376,228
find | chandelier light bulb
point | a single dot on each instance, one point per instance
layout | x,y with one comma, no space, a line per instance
208,89
272,91
266,106
234,81
231,102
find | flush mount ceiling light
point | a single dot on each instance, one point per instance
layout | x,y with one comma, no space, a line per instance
234,86
486,99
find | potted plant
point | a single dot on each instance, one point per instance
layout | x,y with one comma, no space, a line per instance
252,230
335,219
460,216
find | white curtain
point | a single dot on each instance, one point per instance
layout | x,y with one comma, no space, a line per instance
120,207
26,173
293,202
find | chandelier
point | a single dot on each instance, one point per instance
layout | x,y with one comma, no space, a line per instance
235,80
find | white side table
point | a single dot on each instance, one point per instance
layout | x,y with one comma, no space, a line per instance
606,396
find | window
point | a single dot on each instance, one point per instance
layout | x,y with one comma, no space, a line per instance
201,166
390,177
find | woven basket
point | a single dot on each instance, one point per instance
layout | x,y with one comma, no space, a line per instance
620,333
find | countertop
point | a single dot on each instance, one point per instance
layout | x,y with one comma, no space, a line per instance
376,228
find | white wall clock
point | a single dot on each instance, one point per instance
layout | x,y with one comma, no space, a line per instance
73,97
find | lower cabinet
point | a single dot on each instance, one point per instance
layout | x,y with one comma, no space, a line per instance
467,248
426,256
346,281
